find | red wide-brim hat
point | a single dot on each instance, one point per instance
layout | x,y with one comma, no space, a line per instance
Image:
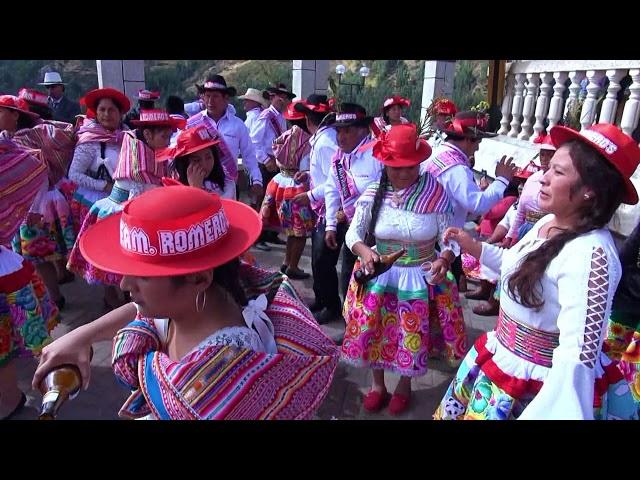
18,104
159,118
613,144
399,147
189,141
92,98
167,210
396,100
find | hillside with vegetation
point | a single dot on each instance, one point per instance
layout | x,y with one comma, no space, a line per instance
178,77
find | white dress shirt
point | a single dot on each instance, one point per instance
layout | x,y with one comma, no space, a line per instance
323,147
465,195
263,132
363,168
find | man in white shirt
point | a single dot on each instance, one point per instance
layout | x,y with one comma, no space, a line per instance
268,126
324,145
220,117
449,164
351,171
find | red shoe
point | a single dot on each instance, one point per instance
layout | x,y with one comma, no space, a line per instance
375,401
399,404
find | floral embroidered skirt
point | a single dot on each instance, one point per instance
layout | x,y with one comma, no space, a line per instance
397,321
27,314
623,345
82,199
280,211
77,263
483,388
54,237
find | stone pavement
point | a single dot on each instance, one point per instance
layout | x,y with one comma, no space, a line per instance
104,396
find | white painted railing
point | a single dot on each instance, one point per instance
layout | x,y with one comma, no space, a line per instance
536,91
539,92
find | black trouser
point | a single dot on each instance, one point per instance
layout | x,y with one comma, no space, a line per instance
323,266
456,268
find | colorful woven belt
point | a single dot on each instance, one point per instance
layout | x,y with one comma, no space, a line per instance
416,252
533,216
526,342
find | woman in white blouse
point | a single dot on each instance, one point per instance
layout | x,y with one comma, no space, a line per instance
557,282
96,155
390,318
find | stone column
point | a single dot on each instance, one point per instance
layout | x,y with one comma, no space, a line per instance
310,76
124,75
438,82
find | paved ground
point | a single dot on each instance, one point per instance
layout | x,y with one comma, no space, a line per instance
344,401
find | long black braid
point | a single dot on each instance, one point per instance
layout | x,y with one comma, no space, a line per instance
375,209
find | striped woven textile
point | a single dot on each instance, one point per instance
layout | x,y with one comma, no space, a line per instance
424,196
54,142
22,175
290,147
223,382
444,158
92,131
137,162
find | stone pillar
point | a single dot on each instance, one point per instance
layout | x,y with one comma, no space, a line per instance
124,75
438,82
310,76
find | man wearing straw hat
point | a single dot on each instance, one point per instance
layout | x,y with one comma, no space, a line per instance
64,110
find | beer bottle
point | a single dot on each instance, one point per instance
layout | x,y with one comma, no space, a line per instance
61,384
385,263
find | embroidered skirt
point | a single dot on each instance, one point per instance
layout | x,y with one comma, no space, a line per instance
27,314
396,321
100,209
622,344
280,211
54,237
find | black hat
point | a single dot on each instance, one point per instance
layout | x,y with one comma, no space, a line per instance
278,89
469,124
216,82
351,114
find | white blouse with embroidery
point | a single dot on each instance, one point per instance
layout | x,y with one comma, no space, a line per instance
578,287
399,225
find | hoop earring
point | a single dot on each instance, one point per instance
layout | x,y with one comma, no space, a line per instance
204,301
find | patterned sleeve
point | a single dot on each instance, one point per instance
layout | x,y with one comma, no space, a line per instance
83,158
588,275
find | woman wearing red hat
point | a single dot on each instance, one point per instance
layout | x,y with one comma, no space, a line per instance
391,114
291,150
212,338
96,155
136,172
196,161
27,315
389,320
47,234
543,360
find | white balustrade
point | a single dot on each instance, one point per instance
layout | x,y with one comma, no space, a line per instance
516,110
542,104
555,107
610,103
533,80
631,110
507,103
588,113
574,89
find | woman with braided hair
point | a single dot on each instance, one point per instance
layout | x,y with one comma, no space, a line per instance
389,318
544,359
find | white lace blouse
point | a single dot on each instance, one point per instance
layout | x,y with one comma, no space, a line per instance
578,287
398,225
